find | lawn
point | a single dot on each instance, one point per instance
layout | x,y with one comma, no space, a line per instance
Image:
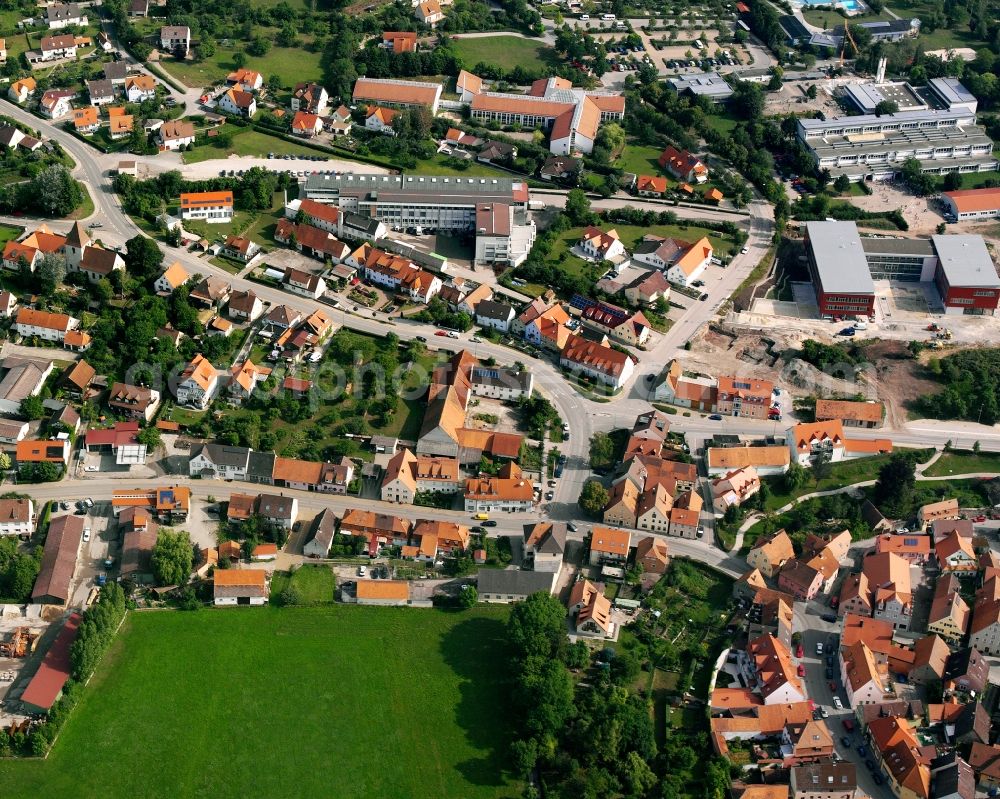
640,159
841,474
315,584
9,233
442,165
247,141
288,702
290,64
506,52
964,462
630,236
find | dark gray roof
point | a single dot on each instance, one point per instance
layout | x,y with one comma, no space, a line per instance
324,526
261,466
970,664
362,223
561,165
100,88
7,134
553,542
514,583
116,70
274,506
893,246
504,377
951,776
222,455
494,310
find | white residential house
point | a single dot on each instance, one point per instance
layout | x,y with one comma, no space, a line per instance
63,15
139,88
238,103
56,103
219,462
173,37
173,277
199,383
44,325
494,315
17,517
380,121
175,134
304,283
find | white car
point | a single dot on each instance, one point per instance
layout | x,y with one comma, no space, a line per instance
837,703
745,250
819,647
362,571
90,468
86,535
452,334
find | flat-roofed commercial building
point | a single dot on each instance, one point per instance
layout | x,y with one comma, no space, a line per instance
966,276
843,267
445,203
899,259
870,147
839,269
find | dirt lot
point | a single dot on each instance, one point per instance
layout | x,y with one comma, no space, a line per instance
894,378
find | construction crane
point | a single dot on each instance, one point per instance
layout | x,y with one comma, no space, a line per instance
847,38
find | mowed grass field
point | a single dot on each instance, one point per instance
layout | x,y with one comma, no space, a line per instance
333,701
506,52
290,64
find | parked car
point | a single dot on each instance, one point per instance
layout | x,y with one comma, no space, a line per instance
86,534
837,703
362,570
715,417
819,647
845,741
798,651
571,527
829,617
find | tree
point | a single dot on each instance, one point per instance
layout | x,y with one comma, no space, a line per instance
918,181
143,258
578,207
821,466
239,59
794,478
468,597
842,184
886,107
537,627
51,271
31,408
952,181
54,192
523,756
895,486
593,498
602,450
5,461
172,558
150,438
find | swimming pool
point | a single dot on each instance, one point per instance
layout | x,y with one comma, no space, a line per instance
850,6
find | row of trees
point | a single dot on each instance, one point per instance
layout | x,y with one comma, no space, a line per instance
97,630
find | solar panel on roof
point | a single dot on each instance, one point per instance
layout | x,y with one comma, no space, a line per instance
910,542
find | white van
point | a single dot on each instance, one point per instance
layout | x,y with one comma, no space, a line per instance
585,16
698,45
620,24
608,17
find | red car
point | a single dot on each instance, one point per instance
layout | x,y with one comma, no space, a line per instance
440,333
834,601
798,651
979,519
833,686
802,670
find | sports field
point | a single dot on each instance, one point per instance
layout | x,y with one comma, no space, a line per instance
332,701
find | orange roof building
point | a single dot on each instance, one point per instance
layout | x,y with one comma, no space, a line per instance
240,586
